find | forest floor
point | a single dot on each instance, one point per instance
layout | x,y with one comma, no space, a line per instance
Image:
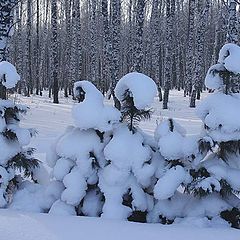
50,120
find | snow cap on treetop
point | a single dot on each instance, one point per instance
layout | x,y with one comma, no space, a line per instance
142,88
91,92
8,74
91,112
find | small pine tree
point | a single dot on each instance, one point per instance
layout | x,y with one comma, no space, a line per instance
216,176
129,170
130,114
16,162
79,153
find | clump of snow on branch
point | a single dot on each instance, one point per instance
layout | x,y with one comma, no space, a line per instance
8,74
219,113
142,88
229,57
213,80
168,134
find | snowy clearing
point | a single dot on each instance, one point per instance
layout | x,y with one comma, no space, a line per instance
50,119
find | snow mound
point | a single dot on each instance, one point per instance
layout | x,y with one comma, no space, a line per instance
60,208
8,74
168,184
219,113
142,88
32,197
229,56
91,112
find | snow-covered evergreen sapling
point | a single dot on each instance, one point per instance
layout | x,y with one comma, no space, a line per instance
129,170
218,174
16,161
79,153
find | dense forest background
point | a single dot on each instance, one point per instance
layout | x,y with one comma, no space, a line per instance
57,42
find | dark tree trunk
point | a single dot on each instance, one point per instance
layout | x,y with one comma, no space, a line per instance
54,54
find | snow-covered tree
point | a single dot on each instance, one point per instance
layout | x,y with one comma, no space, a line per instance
68,45
128,171
138,50
199,54
6,26
76,48
78,153
170,9
106,43
115,50
16,161
6,30
28,57
190,47
232,33
155,42
217,176
93,40
54,50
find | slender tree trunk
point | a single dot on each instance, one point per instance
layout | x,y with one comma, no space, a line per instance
190,48
199,54
54,50
232,34
37,49
170,6
6,23
107,46
138,64
116,22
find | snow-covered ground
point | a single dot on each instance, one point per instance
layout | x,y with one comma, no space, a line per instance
50,120
25,226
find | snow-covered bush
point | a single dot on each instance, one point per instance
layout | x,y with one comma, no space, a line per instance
16,160
79,153
129,169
